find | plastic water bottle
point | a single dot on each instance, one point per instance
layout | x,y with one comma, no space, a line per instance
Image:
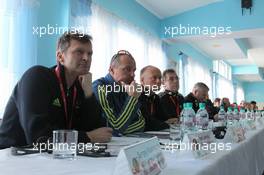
242,114
188,118
202,117
257,114
222,115
229,116
183,113
248,115
235,114
251,115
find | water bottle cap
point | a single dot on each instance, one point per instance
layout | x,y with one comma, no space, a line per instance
229,109
201,105
189,105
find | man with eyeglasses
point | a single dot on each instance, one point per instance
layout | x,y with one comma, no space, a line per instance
118,96
61,97
171,99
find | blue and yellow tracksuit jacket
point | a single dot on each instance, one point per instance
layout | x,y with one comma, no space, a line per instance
121,111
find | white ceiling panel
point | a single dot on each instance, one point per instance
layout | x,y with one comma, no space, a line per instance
249,77
220,48
257,55
167,8
256,41
240,62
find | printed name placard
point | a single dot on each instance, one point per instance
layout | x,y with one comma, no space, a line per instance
235,134
143,158
250,124
260,121
200,142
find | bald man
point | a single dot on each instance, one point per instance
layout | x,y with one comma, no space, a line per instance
150,79
198,95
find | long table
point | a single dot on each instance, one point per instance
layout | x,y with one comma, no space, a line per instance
245,158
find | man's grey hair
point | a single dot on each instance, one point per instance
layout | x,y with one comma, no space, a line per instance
115,60
144,69
200,86
65,40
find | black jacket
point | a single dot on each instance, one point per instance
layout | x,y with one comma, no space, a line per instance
36,108
172,103
208,105
153,113
190,98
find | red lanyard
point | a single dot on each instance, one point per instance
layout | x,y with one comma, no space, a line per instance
152,105
176,105
151,108
68,121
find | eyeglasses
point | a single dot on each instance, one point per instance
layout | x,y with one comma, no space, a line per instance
121,52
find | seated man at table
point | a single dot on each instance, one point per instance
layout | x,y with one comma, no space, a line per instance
118,96
61,97
253,106
198,95
226,103
171,100
156,118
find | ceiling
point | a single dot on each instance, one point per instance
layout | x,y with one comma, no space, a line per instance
216,47
224,47
228,49
166,8
249,77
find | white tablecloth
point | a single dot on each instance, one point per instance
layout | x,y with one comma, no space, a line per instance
245,158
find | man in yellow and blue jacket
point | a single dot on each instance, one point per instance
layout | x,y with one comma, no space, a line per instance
118,95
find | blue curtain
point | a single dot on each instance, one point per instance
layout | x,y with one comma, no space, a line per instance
18,45
80,10
183,63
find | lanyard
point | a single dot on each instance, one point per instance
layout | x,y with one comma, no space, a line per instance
151,100
151,108
176,105
68,121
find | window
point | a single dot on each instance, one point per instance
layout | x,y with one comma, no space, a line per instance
239,94
193,72
223,69
224,88
223,84
111,33
17,44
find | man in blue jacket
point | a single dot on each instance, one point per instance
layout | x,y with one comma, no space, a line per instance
117,94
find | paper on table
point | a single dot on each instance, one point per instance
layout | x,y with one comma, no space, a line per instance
121,165
158,132
119,142
141,158
124,141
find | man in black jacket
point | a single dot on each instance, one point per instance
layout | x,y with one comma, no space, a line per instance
171,100
47,99
150,79
198,95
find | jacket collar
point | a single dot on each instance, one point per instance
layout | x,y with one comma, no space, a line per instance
62,74
171,93
110,79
